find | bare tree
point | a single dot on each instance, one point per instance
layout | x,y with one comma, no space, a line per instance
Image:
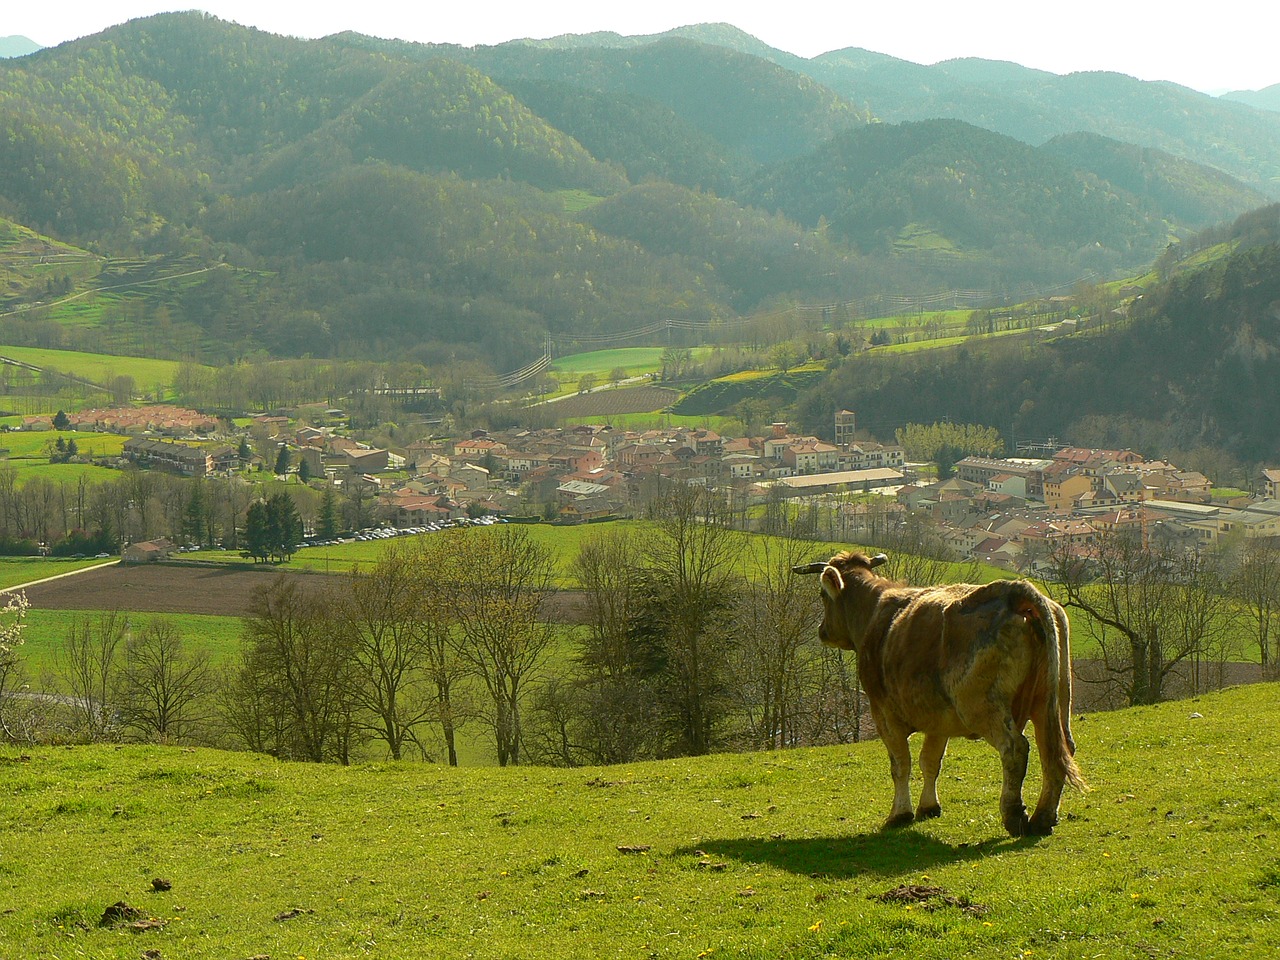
89,665
917,553
1151,608
163,685
838,704
384,617
445,669
501,584
1257,584
297,673
773,666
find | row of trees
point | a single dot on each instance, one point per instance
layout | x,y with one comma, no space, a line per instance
673,655
141,504
671,652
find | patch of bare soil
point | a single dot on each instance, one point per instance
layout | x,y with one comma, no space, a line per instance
930,898
192,588
162,588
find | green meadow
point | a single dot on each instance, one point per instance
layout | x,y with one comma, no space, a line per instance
98,368
37,444
761,856
46,633
28,452
15,571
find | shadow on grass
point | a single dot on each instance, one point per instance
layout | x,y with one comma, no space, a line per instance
888,853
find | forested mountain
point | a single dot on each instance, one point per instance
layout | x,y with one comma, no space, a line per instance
753,254
445,204
1194,366
751,106
1027,104
953,191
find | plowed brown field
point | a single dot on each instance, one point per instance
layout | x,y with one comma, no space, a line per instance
162,588
191,588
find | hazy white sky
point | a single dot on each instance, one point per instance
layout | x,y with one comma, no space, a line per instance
1228,45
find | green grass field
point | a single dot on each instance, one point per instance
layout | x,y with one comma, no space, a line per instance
727,426
757,856
37,444
635,360
98,368
564,542
28,454
47,630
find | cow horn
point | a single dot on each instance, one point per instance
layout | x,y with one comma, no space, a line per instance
878,559
806,568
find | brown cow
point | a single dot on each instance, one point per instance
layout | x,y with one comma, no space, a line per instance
957,661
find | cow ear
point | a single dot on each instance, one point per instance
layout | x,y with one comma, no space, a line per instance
832,582
878,559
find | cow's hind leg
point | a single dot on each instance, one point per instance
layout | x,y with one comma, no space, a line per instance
1014,751
1053,778
1000,732
931,754
895,741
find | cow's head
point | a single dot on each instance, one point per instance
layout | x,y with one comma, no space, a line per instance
835,629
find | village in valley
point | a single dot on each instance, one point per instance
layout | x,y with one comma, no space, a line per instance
1015,512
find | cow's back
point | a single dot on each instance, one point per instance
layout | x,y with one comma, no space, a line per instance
942,652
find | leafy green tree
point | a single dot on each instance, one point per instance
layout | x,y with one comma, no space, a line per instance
193,519
617,713
257,538
284,526
304,471
327,524
61,421
282,460
690,556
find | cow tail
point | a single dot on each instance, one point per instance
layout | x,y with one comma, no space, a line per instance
1036,607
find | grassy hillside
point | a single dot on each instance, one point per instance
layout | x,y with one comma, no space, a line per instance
149,376
753,855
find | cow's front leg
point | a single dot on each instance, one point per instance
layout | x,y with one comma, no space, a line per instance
931,754
895,741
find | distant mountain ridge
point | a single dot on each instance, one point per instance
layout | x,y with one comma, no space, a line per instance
17,46
1268,98
460,205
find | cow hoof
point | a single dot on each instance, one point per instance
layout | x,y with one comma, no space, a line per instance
928,813
1016,824
899,820
1041,825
